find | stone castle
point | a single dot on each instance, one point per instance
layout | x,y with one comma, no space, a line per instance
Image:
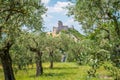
60,27
56,30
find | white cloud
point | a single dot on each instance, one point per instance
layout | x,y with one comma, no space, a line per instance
47,17
45,1
70,21
58,7
58,11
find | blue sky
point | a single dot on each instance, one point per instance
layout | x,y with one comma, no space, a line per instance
57,12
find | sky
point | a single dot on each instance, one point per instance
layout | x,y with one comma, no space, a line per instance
57,12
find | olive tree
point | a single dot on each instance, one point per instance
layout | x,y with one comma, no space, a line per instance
52,44
13,15
36,44
100,21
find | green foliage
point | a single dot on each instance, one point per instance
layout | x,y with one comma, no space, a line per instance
76,34
100,21
115,71
91,13
15,15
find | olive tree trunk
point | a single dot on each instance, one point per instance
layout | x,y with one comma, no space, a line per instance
7,63
51,59
39,67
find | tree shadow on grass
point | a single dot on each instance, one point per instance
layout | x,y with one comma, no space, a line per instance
57,74
60,68
53,74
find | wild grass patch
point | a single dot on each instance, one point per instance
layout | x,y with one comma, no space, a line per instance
61,71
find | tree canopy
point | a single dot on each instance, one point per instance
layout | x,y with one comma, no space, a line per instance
15,15
100,21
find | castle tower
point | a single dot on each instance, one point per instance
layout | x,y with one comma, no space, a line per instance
60,24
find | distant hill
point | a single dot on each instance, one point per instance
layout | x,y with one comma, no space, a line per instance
74,32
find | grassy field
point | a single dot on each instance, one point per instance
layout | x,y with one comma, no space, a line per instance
61,71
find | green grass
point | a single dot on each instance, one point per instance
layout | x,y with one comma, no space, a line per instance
61,71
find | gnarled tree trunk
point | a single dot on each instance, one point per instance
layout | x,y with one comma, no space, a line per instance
7,63
39,68
51,59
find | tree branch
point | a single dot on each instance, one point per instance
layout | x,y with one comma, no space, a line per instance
7,46
35,42
32,49
115,23
108,37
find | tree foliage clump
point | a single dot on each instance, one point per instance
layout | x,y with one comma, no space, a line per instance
14,16
100,22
